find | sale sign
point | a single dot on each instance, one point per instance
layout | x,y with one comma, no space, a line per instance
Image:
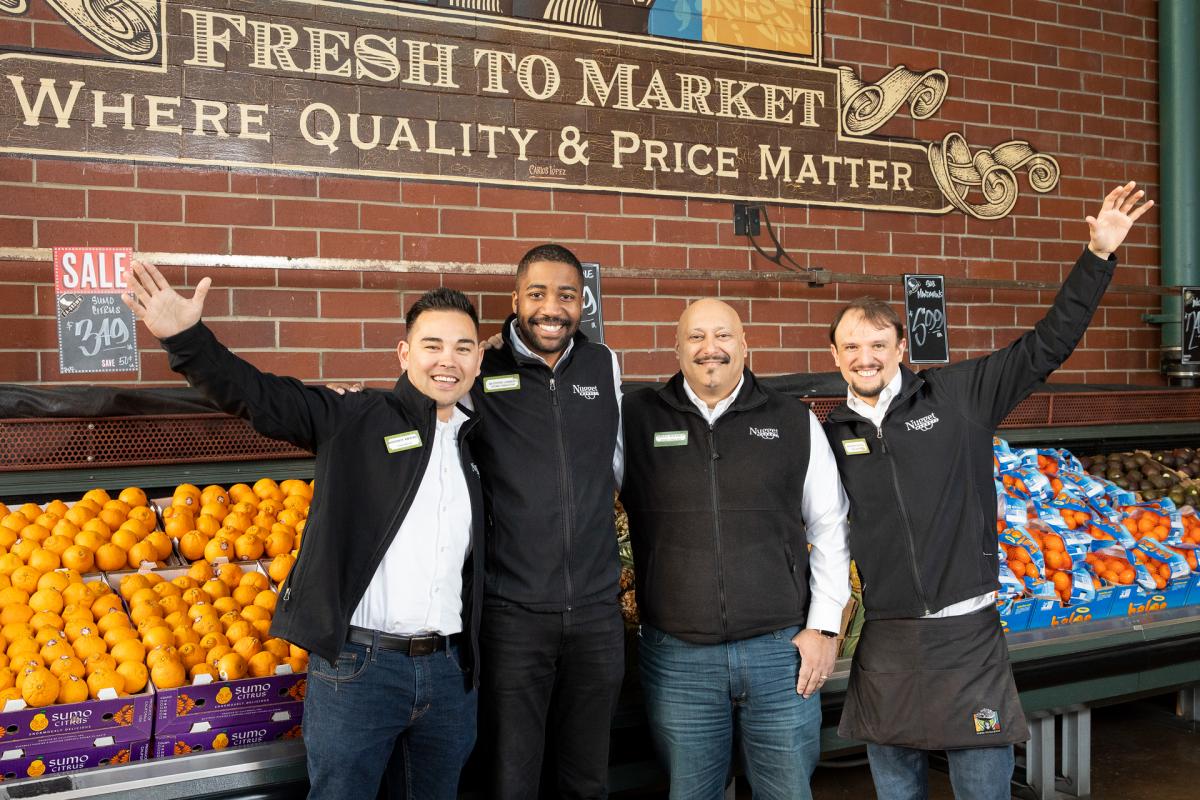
96,331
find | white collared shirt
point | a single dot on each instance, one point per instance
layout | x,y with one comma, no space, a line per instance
619,450
417,587
876,413
825,506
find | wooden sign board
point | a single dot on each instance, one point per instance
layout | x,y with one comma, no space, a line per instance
96,331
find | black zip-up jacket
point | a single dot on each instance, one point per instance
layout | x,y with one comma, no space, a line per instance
362,491
922,498
715,512
546,454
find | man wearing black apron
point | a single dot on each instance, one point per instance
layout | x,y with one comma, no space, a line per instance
931,671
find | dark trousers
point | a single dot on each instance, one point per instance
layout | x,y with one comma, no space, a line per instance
549,676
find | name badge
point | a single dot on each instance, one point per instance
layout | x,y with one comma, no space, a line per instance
399,442
501,383
855,447
670,438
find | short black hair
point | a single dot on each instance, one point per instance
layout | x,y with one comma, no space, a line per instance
441,299
555,253
875,311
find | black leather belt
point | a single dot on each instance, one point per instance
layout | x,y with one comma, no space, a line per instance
420,645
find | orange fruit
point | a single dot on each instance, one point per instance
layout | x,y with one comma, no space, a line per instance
72,689
277,647
97,495
120,634
279,543
133,496
263,626
46,619
168,673
142,553
218,511
11,693
25,578
99,526
248,547
190,654
78,515
244,595
186,495
57,544
214,639
145,611
64,527
23,548
247,647
214,494
178,525
216,588
231,667
192,544
18,612
207,525
132,583
56,647
159,636
112,517
124,539
216,653
231,574
135,674
110,557
89,645
266,599
185,635
89,539
218,548
78,557
44,560
46,600
238,629
160,653
58,580
99,661
262,664
255,613
206,624
56,507
65,665
35,533
227,604
105,679
112,618
138,529
203,668
11,595
10,563
106,603
143,514
40,688
128,650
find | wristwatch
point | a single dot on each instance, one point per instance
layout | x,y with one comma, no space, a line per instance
828,634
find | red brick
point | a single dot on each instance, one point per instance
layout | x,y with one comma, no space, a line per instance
137,206
629,337
441,248
553,226
651,309
70,233
619,228
385,190
319,278
406,219
182,239
419,281
16,299
653,206
750,288
440,194
369,246
230,277
36,201
183,179
523,199
466,282
657,364
88,173
886,30
380,335
321,335
678,231
227,210
476,223
274,242
19,367
653,257
362,305
244,334
16,232
273,184
778,362
587,202
374,365
274,303
718,258
789,311
810,337
495,307
315,214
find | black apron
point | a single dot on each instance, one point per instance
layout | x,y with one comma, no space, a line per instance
933,684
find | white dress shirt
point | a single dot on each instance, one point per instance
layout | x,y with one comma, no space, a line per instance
876,413
417,587
825,506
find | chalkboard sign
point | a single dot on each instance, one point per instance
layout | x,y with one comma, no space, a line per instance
96,331
925,310
1190,329
592,321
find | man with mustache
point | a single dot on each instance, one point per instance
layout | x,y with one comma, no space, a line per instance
552,637
728,484
931,670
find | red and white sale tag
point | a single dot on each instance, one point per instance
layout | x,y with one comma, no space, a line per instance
92,270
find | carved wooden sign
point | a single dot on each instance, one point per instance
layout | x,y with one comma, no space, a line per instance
724,99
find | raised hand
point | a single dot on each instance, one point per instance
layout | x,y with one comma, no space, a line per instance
155,303
1116,217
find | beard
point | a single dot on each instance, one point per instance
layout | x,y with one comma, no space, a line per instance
540,343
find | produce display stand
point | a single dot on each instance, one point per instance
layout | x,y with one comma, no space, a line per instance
1061,672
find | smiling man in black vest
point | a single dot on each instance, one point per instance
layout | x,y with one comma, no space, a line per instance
727,485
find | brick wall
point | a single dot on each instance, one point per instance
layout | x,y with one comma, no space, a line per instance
1076,79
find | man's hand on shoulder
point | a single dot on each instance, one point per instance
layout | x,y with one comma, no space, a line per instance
155,303
1115,218
342,388
817,654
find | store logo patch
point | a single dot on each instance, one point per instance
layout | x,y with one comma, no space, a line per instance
923,424
399,442
986,721
501,383
586,392
765,433
670,438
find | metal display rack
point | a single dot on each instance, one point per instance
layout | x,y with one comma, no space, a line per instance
1062,673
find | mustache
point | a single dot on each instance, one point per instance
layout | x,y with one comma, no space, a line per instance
723,358
547,320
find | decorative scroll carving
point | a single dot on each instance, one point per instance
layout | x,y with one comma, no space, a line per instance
866,107
125,28
957,170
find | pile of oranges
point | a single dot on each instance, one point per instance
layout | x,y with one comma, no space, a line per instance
1113,569
63,639
98,533
242,523
212,620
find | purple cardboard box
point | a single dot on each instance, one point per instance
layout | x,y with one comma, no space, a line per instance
177,709
124,717
34,758
218,736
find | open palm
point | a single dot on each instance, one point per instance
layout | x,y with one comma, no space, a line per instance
154,302
1116,217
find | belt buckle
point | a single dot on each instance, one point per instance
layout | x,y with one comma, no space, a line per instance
423,645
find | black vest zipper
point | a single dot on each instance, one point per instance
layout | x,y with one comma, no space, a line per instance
567,494
912,543
716,509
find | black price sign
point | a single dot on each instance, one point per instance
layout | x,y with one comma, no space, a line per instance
925,309
1190,329
96,331
592,321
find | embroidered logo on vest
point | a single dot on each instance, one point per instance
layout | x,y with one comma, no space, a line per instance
923,424
765,433
586,392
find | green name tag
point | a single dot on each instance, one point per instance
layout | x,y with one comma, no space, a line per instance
855,447
670,438
501,383
399,442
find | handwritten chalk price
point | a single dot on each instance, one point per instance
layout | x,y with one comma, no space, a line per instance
1190,328
925,311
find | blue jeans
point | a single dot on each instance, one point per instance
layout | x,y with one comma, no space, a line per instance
698,695
979,773
372,702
